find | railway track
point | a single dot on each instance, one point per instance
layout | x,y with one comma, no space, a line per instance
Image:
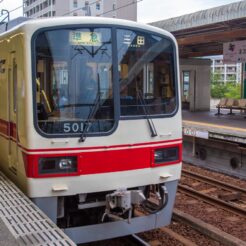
168,235
225,202
213,200
189,227
138,241
198,229
198,225
212,181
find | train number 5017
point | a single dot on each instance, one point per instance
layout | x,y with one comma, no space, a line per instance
73,127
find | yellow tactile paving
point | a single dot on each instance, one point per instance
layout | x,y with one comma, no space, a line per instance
215,126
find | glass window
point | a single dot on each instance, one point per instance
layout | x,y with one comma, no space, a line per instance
186,85
45,4
75,3
74,92
97,6
146,70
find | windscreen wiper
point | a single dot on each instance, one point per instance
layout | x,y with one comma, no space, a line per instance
90,116
146,112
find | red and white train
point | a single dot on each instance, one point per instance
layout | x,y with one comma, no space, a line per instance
90,122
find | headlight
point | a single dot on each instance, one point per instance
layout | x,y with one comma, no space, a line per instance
57,165
65,164
166,155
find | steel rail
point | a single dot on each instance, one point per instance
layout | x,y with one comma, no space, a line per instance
213,181
207,229
212,200
139,240
171,233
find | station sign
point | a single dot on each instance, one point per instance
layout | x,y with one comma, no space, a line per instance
234,52
195,133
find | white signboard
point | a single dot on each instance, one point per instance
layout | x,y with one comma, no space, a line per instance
195,133
234,52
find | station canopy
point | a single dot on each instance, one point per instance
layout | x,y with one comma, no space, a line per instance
203,33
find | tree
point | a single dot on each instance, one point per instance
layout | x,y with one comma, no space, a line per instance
233,90
224,90
218,88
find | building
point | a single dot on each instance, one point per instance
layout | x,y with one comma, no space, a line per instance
122,9
226,72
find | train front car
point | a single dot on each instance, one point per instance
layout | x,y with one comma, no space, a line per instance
106,136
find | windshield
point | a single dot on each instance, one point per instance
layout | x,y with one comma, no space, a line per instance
147,82
74,80
75,84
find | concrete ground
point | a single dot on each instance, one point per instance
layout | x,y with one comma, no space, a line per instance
224,120
6,238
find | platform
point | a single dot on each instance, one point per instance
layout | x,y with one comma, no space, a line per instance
215,142
22,223
210,126
6,238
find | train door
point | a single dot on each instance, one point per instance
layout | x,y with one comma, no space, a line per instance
12,114
188,90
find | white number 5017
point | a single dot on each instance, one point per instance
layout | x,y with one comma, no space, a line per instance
73,127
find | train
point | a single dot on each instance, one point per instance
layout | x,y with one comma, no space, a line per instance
90,122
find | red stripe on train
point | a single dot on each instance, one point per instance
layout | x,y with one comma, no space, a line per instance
103,161
8,129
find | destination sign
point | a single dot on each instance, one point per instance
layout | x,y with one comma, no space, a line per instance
85,38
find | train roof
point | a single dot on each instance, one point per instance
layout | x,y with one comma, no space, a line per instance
6,26
33,24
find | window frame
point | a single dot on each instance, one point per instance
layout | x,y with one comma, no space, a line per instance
115,77
175,68
75,3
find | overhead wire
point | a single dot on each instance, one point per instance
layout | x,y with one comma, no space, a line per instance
121,7
12,10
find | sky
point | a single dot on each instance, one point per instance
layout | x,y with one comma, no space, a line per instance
148,10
